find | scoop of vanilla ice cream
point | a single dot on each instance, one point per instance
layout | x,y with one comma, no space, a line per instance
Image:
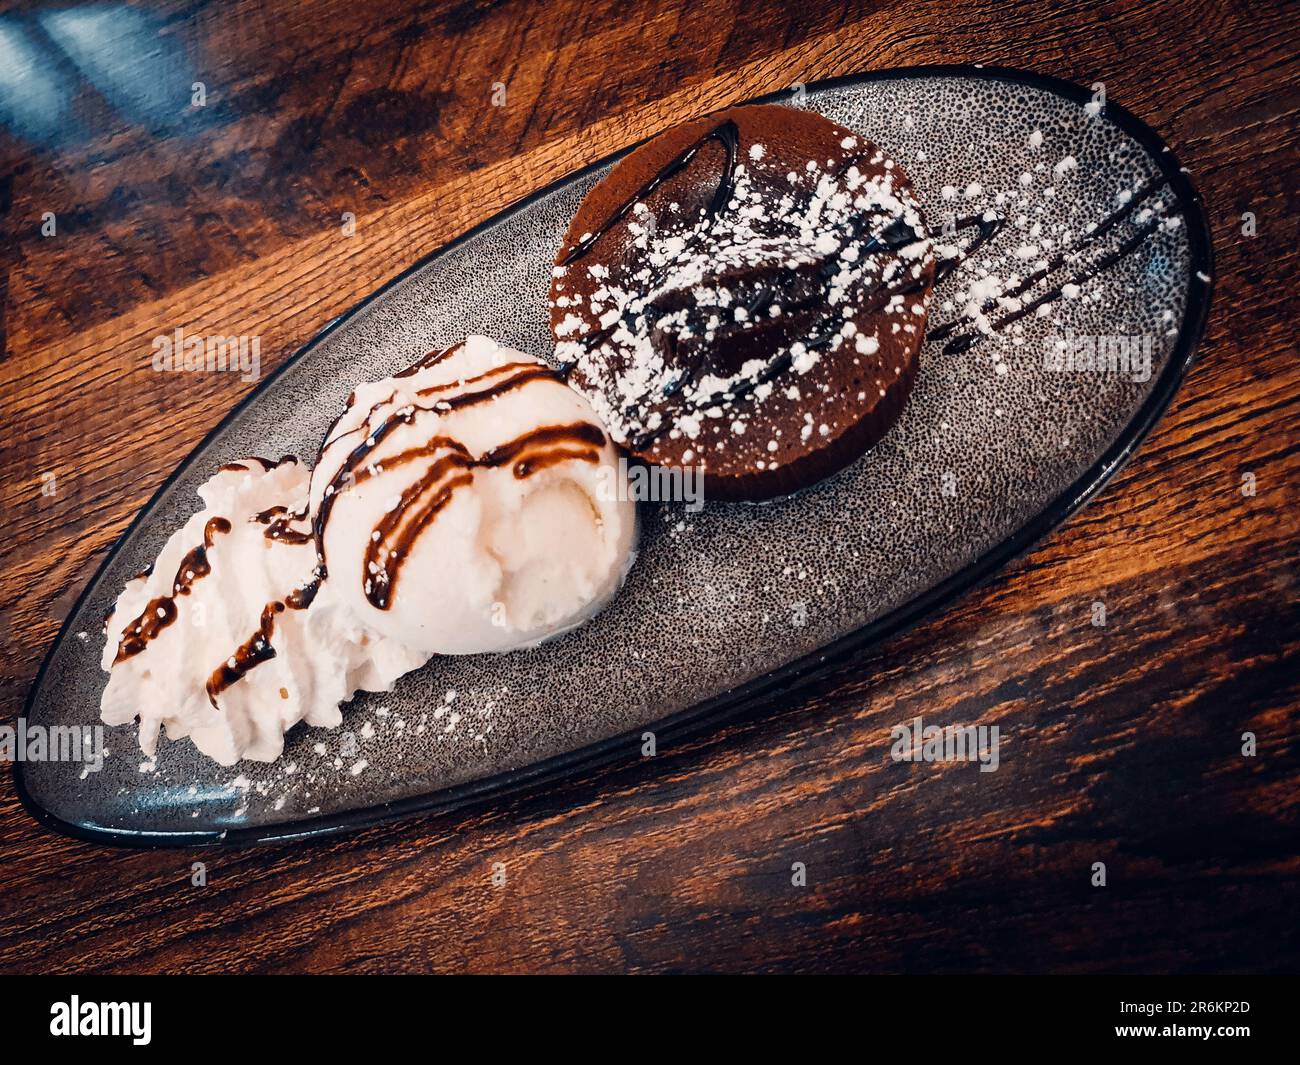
246,552
472,503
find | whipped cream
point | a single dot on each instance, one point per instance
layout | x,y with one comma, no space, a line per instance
208,643
472,504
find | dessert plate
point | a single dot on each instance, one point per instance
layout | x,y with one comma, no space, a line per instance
732,604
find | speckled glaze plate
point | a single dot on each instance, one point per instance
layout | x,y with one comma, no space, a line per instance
734,604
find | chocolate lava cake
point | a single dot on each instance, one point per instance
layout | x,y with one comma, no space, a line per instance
747,293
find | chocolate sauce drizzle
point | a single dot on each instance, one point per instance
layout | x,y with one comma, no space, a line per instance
269,464
418,506
430,359
279,525
727,134
252,652
527,371
988,228
161,612
425,498
969,337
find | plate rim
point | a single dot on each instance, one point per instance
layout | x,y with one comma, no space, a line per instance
758,693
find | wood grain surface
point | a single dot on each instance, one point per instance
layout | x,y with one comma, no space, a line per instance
1121,744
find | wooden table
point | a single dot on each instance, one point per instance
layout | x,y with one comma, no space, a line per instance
1122,744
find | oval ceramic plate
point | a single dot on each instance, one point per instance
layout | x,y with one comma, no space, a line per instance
730,604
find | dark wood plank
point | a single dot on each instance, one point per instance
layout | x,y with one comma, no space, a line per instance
1121,744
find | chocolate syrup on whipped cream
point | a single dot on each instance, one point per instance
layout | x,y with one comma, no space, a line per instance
252,652
268,464
161,612
425,498
279,524
279,521
421,502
